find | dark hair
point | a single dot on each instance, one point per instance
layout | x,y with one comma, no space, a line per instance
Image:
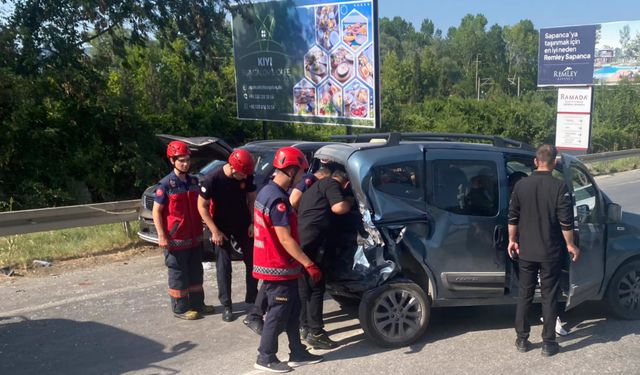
339,173
324,170
546,154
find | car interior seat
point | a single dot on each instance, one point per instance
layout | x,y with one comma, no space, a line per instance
450,188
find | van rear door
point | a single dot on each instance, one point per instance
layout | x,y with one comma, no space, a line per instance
587,273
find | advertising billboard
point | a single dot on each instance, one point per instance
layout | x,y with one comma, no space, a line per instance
617,52
565,56
573,121
606,53
307,61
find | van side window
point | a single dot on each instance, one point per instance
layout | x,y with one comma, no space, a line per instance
586,196
466,187
401,180
517,169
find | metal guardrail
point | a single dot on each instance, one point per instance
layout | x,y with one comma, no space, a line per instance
610,155
45,219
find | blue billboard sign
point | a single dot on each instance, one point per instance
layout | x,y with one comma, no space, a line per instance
566,55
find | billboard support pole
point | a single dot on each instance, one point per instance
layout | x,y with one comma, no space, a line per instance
593,101
376,61
265,130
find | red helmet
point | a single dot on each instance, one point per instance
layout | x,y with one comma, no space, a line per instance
242,161
290,156
177,148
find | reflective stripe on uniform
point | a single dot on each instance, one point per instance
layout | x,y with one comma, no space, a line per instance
277,271
258,220
180,243
262,208
178,293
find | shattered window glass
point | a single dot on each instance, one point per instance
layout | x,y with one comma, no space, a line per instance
401,180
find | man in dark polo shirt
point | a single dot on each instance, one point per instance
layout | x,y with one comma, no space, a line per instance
318,205
233,192
540,226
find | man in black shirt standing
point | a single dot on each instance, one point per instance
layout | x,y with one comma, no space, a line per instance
225,204
319,203
540,225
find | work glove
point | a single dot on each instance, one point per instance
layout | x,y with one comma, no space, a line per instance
314,272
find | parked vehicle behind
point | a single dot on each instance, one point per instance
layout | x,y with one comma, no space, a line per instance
208,153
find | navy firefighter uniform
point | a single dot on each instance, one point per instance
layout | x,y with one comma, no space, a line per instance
278,261
278,270
183,254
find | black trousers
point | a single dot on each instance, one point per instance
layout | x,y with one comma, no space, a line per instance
259,308
549,285
224,270
312,298
185,279
311,293
282,315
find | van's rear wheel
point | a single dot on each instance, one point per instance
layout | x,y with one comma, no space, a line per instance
623,293
396,314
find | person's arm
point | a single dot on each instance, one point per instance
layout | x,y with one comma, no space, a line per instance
251,201
564,212
217,237
158,222
571,247
291,246
295,197
513,249
340,205
296,193
279,213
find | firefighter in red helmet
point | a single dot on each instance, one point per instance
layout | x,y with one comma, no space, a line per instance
176,218
279,262
232,191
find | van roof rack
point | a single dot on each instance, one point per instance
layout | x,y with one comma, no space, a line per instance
394,138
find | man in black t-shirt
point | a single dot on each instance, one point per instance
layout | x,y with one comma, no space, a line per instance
318,205
308,179
225,204
540,226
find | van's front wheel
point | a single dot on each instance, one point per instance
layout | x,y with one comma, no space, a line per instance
395,315
623,293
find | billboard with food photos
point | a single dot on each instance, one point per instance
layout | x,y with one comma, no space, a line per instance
305,61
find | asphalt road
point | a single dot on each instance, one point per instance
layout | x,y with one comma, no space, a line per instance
115,319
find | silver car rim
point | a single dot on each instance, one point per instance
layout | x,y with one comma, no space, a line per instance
397,314
629,291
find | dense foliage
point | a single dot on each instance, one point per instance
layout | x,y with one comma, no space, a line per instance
85,85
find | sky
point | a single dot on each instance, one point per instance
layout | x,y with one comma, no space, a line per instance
543,13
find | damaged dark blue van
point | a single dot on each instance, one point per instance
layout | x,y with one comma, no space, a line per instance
430,230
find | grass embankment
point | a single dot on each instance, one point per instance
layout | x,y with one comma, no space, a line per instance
20,251
614,166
